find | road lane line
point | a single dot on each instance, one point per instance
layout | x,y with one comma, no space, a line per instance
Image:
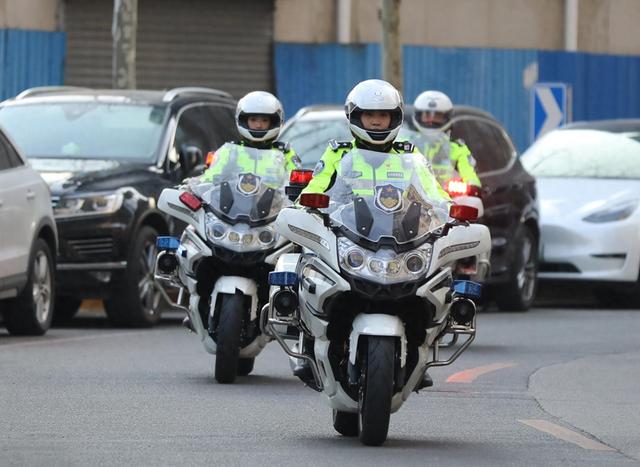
64,340
467,376
565,434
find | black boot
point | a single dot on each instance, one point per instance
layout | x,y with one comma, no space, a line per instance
426,382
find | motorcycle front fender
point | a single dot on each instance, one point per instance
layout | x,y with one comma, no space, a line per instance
232,284
377,325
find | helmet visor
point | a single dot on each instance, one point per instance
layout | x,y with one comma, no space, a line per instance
431,119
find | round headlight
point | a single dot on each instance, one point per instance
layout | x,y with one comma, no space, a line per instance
217,230
265,237
393,267
415,264
376,266
247,239
355,259
234,237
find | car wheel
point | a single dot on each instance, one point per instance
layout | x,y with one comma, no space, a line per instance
136,303
65,308
519,292
31,312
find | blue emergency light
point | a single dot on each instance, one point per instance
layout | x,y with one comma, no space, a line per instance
167,243
467,289
283,278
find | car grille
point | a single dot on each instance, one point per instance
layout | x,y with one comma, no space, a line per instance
90,247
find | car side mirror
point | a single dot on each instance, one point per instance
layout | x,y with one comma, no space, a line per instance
192,160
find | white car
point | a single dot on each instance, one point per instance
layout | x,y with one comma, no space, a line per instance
28,242
588,179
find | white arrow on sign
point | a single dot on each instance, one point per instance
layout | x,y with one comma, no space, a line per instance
551,108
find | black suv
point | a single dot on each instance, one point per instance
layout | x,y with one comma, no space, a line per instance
508,191
107,155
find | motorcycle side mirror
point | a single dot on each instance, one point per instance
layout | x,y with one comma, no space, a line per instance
314,200
461,212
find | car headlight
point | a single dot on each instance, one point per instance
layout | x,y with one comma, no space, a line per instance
88,205
241,237
385,265
614,213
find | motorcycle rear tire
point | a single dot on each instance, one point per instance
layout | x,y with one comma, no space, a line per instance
345,423
376,391
228,338
245,366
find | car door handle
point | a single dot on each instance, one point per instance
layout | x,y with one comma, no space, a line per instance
30,195
1,203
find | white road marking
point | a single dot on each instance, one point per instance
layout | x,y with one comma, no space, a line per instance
565,434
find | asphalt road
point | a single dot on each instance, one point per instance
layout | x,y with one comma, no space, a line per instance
555,386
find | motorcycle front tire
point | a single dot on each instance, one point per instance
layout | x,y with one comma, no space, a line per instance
376,390
228,338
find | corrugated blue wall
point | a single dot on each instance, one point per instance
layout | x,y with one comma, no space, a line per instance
30,58
496,80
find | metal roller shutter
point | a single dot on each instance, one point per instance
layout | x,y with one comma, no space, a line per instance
214,43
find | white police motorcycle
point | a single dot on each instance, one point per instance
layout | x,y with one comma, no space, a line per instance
371,297
221,262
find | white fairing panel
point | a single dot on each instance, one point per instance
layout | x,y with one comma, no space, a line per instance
170,203
308,230
461,242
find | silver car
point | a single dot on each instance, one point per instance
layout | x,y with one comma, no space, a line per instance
28,243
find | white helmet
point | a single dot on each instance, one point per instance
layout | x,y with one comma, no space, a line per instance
259,103
374,94
437,104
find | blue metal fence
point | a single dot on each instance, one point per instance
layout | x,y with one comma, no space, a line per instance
496,80
30,58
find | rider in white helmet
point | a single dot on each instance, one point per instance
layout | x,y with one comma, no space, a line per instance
374,109
432,113
259,119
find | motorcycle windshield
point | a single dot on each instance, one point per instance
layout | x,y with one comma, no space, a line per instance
378,195
244,184
436,146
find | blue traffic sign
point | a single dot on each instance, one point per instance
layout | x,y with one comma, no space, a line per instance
549,108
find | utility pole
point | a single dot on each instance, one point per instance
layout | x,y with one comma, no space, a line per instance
124,31
391,48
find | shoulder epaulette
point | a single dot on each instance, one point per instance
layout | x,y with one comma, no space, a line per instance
461,142
403,146
284,147
336,145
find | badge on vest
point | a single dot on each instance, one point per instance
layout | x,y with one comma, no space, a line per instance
248,183
388,198
395,175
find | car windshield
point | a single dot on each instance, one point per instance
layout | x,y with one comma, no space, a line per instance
378,195
584,154
310,138
85,129
244,184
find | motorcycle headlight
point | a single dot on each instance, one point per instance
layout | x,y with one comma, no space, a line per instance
614,213
355,258
241,237
88,205
384,266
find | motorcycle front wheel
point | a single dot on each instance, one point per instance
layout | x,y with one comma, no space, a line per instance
228,338
376,389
